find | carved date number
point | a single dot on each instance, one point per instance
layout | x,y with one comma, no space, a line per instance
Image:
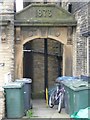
43,13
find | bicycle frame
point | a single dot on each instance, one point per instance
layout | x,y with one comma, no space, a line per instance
57,96
58,93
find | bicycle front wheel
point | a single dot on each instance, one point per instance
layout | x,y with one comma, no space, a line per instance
60,104
51,102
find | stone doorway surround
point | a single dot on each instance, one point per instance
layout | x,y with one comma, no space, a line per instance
44,21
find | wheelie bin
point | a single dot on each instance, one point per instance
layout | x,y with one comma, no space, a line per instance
27,92
77,95
14,100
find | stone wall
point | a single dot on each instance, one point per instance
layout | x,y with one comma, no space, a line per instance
6,47
89,17
80,41
80,36
7,43
89,34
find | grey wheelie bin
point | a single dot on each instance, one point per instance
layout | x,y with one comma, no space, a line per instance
27,92
14,100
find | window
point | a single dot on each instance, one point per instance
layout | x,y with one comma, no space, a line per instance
70,8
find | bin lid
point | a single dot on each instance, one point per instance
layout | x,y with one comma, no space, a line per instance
24,80
77,85
80,86
71,82
62,78
13,85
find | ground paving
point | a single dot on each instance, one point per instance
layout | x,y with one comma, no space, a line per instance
41,110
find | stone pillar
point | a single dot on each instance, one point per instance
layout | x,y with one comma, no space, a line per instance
67,60
18,61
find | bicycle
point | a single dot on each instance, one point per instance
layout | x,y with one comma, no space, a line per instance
57,96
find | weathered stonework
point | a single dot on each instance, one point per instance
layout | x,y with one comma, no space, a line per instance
80,36
45,22
35,36
7,42
6,48
80,41
27,35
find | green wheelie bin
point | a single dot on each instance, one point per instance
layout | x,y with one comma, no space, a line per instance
14,100
78,95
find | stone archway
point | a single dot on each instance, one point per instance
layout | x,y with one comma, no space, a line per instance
67,62
59,34
45,21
